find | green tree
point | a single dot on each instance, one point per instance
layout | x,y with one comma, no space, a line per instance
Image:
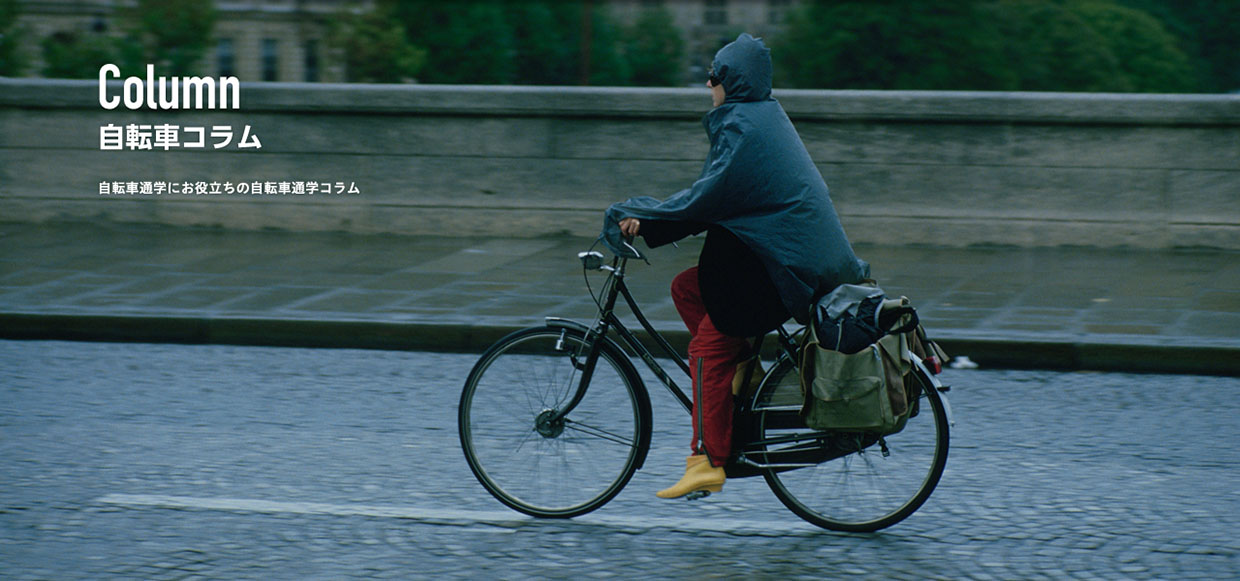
549,47
466,42
607,65
72,55
11,57
173,34
1037,45
545,45
1217,27
1146,54
374,48
1208,32
529,42
654,49
891,44
1052,48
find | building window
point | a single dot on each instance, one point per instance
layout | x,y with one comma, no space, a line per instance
225,58
271,59
312,61
777,11
716,12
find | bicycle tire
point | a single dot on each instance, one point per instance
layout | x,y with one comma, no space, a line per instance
542,468
859,491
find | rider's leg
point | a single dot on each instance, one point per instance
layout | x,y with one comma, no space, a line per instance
718,354
688,299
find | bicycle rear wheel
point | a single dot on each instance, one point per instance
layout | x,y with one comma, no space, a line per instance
527,457
850,483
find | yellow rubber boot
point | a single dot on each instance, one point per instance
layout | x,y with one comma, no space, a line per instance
699,476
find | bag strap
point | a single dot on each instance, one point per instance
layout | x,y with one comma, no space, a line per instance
890,316
931,347
805,368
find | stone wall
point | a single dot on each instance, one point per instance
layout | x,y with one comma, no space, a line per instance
1025,169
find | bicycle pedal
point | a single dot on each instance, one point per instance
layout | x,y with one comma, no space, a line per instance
697,494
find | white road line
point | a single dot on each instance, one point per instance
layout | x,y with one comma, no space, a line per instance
456,517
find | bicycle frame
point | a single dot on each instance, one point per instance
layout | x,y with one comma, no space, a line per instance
607,321
769,432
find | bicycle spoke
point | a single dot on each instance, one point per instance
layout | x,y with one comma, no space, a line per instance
528,458
863,490
601,433
527,437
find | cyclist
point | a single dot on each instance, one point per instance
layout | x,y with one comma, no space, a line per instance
773,243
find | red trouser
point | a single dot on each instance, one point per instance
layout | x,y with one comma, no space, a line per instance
718,355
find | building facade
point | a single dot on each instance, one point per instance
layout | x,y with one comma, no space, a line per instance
254,40
286,40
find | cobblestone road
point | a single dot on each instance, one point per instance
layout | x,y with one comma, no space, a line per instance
179,462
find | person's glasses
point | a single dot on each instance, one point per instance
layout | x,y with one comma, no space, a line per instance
711,78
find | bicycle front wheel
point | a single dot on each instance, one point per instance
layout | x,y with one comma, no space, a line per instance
521,449
849,482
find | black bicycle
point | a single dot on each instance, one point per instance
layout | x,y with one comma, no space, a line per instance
555,420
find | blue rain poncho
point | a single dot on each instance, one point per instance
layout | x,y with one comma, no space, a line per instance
759,184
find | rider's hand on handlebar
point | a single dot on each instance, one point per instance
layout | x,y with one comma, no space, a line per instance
630,227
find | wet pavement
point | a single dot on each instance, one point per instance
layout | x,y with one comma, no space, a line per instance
157,461
1122,309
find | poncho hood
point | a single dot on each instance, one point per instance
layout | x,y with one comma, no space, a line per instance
761,185
744,69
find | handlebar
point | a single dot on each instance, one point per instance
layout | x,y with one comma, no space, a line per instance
617,242
592,259
629,247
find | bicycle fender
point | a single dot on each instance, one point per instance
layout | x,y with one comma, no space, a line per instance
558,323
934,383
623,360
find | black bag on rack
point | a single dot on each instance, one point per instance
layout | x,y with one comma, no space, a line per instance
852,317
